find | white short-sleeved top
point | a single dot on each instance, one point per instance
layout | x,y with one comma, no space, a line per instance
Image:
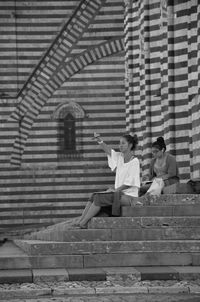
126,173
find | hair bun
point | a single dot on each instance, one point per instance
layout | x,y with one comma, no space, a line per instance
135,138
161,140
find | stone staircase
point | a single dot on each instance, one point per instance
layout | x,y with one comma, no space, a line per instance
157,241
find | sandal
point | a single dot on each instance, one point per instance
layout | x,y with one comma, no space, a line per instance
78,226
83,226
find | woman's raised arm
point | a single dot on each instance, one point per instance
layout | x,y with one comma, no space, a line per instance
107,149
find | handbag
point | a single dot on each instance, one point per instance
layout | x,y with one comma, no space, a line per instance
156,187
195,185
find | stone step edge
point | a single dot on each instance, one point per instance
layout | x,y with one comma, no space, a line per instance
116,234
39,248
6,295
137,274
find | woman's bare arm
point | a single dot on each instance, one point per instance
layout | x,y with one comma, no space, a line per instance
122,188
107,149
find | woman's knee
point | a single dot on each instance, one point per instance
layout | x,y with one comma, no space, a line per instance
126,200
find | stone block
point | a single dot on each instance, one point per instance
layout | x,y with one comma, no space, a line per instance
137,259
172,199
106,247
188,272
186,210
115,223
182,233
90,274
57,261
158,273
170,221
16,276
195,289
156,233
50,275
79,291
86,235
196,259
122,273
129,234
147,211
61,235
14,262
24,293
168,289
141,222
121,290
162,210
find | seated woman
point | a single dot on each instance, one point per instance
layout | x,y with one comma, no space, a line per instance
163,165
127,180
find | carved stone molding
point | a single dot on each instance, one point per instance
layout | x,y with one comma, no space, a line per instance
74,108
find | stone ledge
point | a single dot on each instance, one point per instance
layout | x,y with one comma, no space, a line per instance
49,249
24,293
50,275
122,290
122,273
81,291
110,274
16,276
168,290
162,210
90,274
194,289
143,222
158,273
73,291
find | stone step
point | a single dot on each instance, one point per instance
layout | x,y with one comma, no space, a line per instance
164,233
99,260
154,233
19,231
38,248
178,199
142,222
100,274
160,210
69,235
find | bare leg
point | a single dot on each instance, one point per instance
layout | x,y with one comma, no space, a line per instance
92,211
88,205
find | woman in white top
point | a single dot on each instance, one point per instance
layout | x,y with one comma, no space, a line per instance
127,179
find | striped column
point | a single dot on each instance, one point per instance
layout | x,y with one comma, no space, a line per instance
162,56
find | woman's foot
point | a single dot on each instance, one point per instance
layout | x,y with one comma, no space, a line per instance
81,226
76,222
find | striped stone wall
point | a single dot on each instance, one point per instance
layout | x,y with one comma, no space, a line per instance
57,53
162,78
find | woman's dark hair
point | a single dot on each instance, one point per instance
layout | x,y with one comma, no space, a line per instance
131,140
159,144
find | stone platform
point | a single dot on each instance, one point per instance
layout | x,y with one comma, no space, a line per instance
148,242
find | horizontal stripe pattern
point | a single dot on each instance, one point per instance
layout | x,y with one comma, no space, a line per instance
46,188
26,31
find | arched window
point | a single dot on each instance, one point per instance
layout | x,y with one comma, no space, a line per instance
69,124
69,118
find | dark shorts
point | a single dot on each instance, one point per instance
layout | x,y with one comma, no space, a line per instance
108,199
113,199
102,199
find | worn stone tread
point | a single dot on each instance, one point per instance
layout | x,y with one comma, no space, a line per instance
106,247
142,222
